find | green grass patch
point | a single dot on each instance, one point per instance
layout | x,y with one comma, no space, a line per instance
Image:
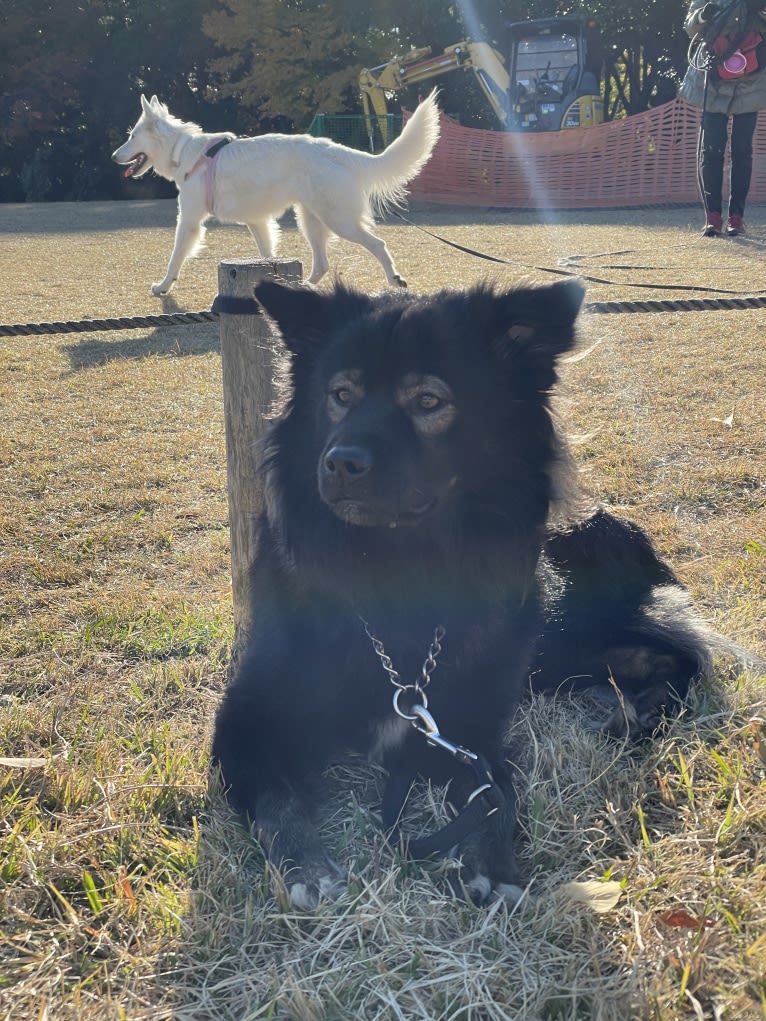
157,633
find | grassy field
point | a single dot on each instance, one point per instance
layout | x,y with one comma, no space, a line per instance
127,892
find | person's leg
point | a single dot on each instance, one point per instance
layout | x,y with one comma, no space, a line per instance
711,153
742,130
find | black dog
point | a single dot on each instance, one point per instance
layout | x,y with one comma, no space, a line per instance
422,529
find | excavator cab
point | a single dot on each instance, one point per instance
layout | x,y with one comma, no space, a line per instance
555,75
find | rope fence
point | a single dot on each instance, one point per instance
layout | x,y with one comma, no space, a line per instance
103,325
677,305
655,306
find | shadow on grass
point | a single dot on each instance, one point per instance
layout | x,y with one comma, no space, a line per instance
179,341
31,218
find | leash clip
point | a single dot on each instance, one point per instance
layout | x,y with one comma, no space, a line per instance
424,722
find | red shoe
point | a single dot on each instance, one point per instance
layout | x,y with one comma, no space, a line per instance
735,227
713,225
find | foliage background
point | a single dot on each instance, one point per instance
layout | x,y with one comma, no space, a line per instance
71,71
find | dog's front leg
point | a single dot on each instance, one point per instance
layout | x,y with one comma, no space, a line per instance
289,838
189,235
281,821
488,863
274,793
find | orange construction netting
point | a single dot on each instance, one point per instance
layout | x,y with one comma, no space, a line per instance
649,159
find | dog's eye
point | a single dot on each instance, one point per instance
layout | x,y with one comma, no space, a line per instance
342,395
344,391
428,402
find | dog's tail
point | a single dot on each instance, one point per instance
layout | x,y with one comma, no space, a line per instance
392,169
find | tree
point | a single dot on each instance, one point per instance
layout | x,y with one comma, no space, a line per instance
298,57
645,50
70,75
71,71
44,58
284,58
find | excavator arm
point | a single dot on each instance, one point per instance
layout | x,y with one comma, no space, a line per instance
420,65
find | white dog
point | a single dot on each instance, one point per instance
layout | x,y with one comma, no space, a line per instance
334,189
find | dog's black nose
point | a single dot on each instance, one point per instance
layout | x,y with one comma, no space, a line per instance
348,463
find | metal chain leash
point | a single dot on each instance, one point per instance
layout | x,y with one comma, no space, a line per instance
421,683
483,801
419,716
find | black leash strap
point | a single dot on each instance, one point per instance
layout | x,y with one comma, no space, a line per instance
486,799
564,272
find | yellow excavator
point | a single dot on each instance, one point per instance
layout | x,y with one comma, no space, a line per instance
555,75
419,65
551,81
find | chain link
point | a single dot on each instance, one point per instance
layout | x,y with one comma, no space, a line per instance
433,651
420,684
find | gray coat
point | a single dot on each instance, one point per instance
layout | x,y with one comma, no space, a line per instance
745,95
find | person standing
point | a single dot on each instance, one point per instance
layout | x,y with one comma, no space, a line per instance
726,78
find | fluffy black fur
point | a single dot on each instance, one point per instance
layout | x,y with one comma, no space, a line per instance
415,479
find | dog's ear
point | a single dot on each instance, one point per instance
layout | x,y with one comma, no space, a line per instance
537,325
305,317
151,107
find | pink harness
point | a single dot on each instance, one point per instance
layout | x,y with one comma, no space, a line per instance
209,158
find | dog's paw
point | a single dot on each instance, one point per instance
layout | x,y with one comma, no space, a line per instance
161,288
508,893
481,890
309,884
632,721
306,896
478,888
398,281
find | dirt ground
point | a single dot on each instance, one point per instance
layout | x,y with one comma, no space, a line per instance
63,261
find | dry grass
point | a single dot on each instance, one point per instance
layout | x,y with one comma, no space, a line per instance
127,893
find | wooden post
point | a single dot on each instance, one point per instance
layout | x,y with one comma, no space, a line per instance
247,354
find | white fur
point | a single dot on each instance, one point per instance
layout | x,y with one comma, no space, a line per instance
509,893
479,888
333,189
389,736
306,898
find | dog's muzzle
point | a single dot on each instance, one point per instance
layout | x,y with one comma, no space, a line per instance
349,487
134,166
